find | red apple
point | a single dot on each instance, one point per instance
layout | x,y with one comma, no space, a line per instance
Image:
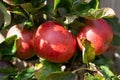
24,43
98,32
53,43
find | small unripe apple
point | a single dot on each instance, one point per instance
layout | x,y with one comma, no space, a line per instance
24,42
54,43
98,32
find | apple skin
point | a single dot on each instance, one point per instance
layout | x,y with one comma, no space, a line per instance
98,32
53,43
24,42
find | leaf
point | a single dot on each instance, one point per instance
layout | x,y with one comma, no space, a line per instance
28,7
94,4
26,74
8,46
66,4
7,15
88,53
61,76
105,67
84,6
19,11
106,71
56,2
97,14
89,76
94,73
70,19
90,10
45,68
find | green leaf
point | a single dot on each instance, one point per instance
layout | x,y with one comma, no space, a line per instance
90,10
56,2
26,74
84,6
89,76
94,4
8,46
61,76
106,71
88,53
105,67
28,24
97,14
93,73
19,11
70,19
7,16
66,4
45,68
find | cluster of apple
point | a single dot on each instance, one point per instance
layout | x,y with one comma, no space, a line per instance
54,43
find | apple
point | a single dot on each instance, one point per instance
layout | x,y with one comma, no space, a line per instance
54,43
24,42
98,32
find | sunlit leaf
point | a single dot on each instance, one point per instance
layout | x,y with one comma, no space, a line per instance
91,11
89,76
45,69
70,19
99,13
56,2
88,53
106,71
104,65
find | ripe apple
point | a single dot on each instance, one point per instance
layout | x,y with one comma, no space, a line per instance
53,43
98,32
24,43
